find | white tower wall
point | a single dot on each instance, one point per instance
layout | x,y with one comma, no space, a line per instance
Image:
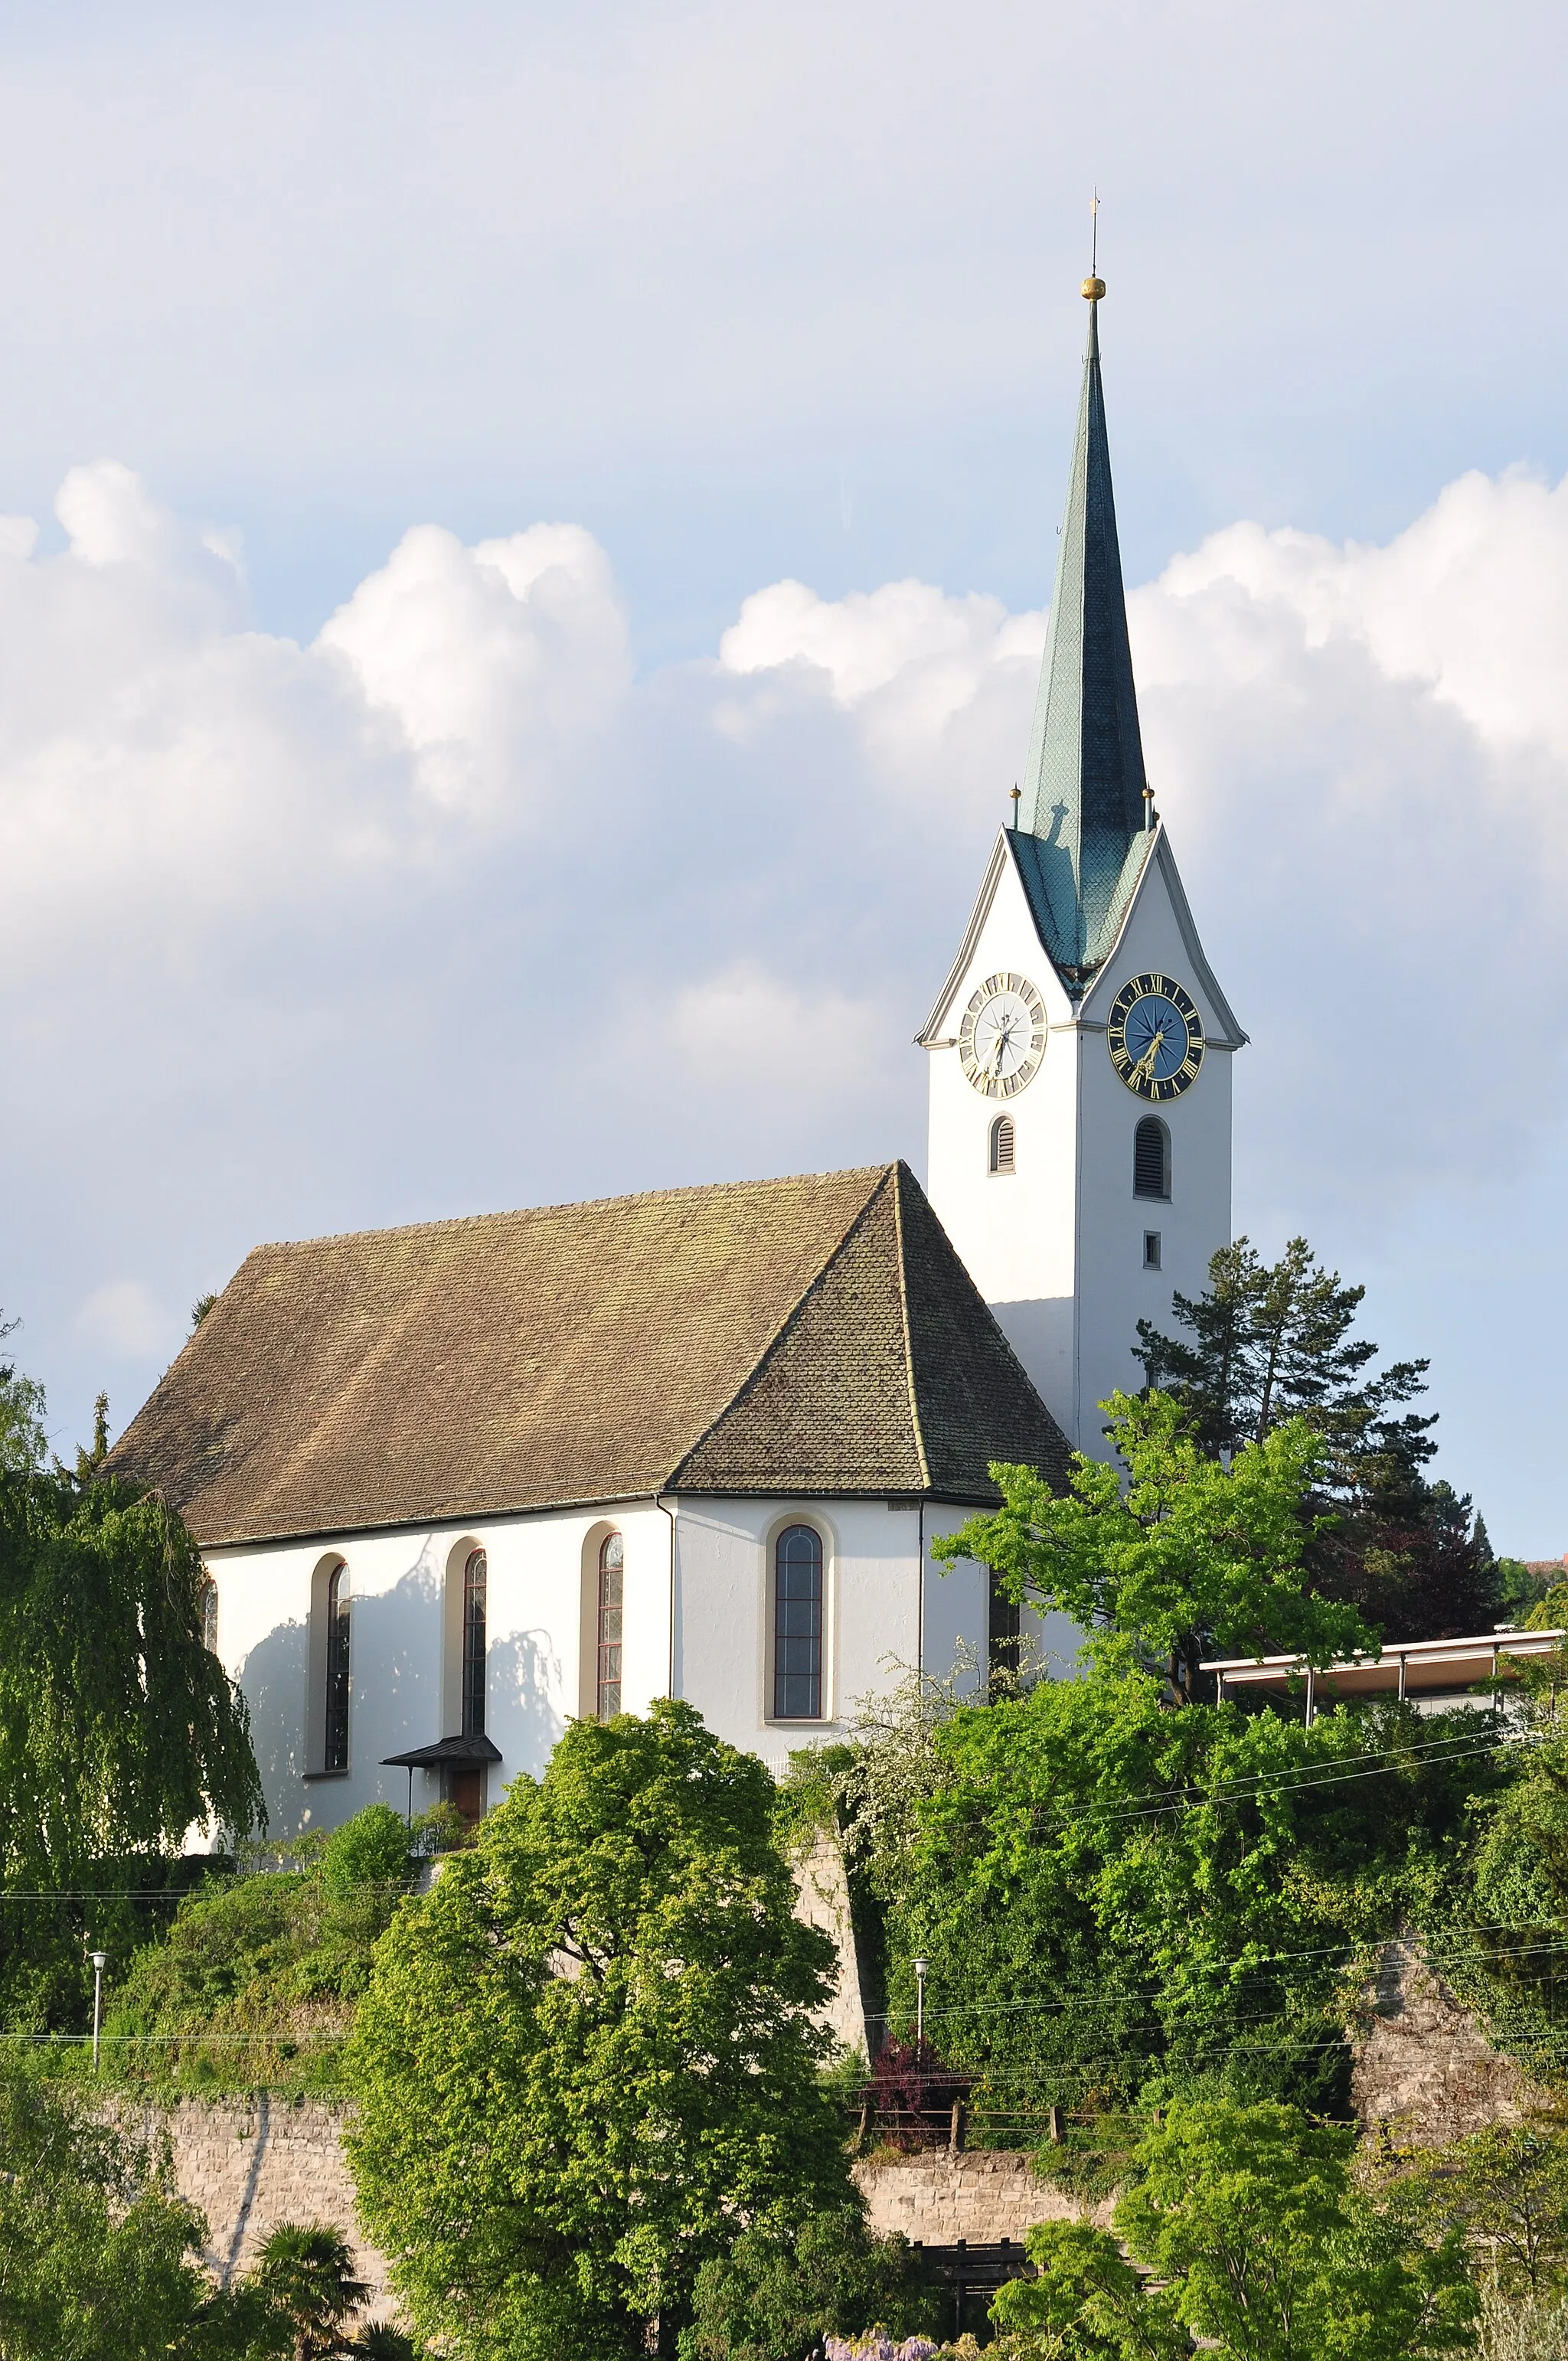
1056,1247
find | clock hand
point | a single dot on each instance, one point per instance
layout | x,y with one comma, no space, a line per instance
1146,1063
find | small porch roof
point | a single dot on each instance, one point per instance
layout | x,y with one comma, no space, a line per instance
476,1749
1405,1668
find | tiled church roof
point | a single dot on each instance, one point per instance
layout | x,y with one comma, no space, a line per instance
810,1335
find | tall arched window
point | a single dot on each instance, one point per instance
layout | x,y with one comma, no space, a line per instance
335,1753
207,1599
1003,1651
1002,1144
475,1578
798,1625
606,1671
1151,1158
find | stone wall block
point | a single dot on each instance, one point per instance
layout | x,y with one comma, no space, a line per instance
1423,2066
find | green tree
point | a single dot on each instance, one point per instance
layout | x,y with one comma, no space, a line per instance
1189,1554
1108,1891
1259,2242
1251,2216
255,1977
1110,1895
372,1850
774,2296
590,2052
22,1443
97,2257
1087,2301
117,1728
1506,2189
305,2274
1266,1342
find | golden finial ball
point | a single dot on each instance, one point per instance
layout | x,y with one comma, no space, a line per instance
1093,290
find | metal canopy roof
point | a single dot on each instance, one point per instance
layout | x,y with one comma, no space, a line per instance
1406,1667
477,1749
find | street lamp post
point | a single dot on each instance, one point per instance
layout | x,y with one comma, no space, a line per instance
100,1961
919,2004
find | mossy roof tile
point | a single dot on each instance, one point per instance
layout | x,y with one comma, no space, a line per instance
816,1335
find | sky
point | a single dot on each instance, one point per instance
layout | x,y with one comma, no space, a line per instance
524,542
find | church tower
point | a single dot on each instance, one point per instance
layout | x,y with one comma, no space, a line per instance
1079,1152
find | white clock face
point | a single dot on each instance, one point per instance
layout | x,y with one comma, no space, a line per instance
1002,1036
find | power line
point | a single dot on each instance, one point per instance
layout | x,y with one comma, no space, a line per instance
1293,1780
1452,1950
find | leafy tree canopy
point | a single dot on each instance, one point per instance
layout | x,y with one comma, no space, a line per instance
590,2052
254,1978
99,2256
1260,2244
1113,1898
1189,1554
118,1727
22,1443
775,2296
1504,2189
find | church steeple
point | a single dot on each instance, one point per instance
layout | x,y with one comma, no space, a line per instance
1082,838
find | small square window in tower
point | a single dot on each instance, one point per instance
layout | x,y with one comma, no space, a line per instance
1151,1250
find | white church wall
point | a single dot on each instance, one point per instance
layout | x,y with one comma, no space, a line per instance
1115,1290
405,1649
1014,1232
955,1605
956,1616
406,1635
724,1594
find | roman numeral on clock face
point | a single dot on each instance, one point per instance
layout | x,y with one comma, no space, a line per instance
1167,1030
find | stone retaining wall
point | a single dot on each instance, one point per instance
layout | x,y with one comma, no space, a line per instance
250,2163
1423,2066
982,2194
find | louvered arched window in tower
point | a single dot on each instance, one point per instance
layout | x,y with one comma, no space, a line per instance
1151,1158
1003,1145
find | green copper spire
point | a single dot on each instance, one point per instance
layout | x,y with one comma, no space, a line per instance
1081,836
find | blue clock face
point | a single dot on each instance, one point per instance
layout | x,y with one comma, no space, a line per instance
1155,1035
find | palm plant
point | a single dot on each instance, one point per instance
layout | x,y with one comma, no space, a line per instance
305,2272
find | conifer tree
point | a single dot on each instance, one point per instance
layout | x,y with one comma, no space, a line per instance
1266,1342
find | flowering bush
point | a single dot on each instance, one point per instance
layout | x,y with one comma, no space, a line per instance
878,2345
912,2093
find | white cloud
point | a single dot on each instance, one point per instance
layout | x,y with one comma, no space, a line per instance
446,910
493,664
165,768
1363,755
746,1033
934,682
121,1317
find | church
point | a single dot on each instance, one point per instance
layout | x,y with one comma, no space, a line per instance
458,1483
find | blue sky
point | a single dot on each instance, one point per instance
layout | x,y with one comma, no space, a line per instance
346,876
